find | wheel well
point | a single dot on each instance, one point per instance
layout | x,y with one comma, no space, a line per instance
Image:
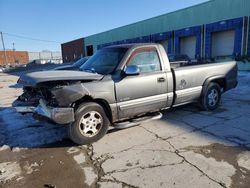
106,108
101,102
221,82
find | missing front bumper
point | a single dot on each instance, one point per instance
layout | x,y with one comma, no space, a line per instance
58,115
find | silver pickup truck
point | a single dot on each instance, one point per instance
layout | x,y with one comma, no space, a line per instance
119,83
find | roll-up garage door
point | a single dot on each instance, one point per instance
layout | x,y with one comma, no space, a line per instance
223,43
188,45
165,45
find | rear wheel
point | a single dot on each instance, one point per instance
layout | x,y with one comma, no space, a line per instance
211,97
91,124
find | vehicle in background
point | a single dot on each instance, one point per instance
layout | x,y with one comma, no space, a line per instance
74,66
35,63
44,62
2,69
118,85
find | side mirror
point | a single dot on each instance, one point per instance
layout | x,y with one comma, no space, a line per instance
132,70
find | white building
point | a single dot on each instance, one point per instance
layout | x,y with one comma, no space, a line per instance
45,56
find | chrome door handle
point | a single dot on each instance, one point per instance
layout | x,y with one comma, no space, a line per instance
161,79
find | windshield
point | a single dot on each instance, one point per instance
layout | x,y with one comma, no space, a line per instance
104,61
79,62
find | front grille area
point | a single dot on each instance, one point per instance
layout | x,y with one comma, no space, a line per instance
33,95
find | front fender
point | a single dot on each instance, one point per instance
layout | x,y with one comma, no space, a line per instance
66,95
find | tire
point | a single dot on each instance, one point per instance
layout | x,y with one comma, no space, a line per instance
91,124
210,98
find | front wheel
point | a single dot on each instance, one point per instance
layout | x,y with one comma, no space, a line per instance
91,124
211,97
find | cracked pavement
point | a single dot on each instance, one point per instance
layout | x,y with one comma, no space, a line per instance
186,148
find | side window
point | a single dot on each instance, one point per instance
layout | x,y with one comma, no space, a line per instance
147,61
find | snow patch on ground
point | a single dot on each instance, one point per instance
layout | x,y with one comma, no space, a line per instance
17,149
9,170
30,168
90,175
4,147
24,131
73,150
243,160
80,158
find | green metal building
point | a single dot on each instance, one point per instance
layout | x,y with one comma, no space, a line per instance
216,28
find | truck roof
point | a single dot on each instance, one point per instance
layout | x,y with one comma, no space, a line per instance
129,45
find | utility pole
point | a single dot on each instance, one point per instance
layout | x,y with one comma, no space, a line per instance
5,56
13,44
14,53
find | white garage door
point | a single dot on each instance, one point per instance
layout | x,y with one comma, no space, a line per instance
223,43
188,45
165,45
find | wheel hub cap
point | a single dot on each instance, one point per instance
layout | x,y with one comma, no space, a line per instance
90,124
213,97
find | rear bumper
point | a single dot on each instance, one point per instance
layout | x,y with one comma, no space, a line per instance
58,115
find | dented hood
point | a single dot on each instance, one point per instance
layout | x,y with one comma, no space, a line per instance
31,79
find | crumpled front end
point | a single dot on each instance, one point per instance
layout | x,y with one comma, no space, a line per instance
52,94
63,115
43,104
59,115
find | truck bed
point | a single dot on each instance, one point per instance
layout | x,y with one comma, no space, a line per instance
190,79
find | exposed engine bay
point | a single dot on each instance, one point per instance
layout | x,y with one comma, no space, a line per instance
46,91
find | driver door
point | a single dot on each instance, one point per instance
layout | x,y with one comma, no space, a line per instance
145,92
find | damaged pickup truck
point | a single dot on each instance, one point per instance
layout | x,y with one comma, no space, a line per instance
118,84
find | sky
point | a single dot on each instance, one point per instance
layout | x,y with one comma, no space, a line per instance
57,21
